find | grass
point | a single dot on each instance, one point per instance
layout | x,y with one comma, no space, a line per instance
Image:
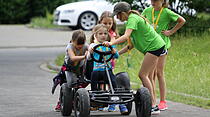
43,22
187,70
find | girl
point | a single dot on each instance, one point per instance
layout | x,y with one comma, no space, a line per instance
100,35
110,23
160,17
144,39
76,52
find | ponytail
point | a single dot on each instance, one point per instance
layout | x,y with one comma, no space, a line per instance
137,13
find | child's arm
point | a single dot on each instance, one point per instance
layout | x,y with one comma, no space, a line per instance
116,54
75,58
125,49
180,22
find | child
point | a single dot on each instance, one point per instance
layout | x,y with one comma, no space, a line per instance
76,52
144,39
110,23
160,17
100,35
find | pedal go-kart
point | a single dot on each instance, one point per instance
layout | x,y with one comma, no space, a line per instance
81,100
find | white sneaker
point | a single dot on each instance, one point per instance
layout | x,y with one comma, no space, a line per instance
155,110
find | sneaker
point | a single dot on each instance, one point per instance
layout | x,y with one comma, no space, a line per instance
58,107
155,110
111,108
123,109
100,108
162,106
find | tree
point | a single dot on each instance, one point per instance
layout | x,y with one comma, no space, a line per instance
189,7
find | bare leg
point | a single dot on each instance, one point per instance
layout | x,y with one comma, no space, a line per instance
152,77
148,65
161,79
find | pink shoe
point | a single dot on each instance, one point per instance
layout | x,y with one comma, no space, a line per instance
162,106
58,107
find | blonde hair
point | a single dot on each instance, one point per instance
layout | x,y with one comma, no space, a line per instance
137,13
95,30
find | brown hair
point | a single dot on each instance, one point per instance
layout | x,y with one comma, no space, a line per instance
165,3
95,31
108,14
79,37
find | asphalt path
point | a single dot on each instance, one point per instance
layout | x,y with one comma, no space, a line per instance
25,84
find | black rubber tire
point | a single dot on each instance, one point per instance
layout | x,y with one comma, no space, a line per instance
87,20
123,81
66,99
143,102
82,103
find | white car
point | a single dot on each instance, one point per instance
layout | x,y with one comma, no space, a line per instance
83,14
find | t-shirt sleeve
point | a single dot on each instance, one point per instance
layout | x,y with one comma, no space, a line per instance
132,23
172,15
69,46
144,13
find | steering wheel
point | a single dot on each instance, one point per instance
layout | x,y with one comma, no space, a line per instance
102,54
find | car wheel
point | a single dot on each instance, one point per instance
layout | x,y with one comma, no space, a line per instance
82,103
143,102
87,20
66,99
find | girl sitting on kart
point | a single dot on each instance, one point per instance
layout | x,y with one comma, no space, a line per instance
76,52
100,35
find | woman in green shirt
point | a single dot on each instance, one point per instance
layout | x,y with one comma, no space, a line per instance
144,39
160,17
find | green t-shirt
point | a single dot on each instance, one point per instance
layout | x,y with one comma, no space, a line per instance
144,37
167,16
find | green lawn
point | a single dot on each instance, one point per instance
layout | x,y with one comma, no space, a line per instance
187,70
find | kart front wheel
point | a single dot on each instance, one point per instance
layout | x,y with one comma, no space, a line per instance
143,102
82,103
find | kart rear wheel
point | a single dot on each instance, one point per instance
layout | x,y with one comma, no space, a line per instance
143,102
82,103
123,81
66,98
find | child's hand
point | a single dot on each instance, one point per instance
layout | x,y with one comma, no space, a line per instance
86,53
167,32
106,43
114,51
90,49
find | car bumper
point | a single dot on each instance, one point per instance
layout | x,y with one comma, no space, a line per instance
64,19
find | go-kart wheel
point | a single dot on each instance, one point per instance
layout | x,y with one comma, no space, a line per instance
123,81
66,99
143,102
82,103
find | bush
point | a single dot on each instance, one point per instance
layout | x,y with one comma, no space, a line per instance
21,11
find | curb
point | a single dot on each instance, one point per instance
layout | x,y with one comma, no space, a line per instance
52,66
